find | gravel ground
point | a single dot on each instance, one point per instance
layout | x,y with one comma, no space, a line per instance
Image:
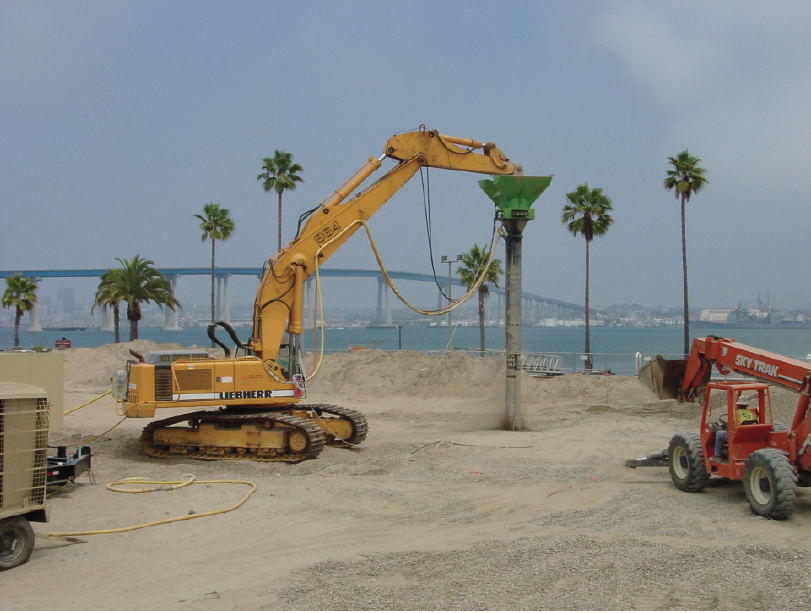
439,509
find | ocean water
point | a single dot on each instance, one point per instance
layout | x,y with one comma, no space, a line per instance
614,348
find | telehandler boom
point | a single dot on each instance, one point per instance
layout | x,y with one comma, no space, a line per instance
258,391
772,459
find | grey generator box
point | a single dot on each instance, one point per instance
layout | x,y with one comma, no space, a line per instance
23,451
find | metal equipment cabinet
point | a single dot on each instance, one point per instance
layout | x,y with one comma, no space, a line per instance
23,469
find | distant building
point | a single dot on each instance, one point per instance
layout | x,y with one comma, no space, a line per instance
715,316
66,302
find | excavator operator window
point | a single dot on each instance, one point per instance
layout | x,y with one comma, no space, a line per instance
283,359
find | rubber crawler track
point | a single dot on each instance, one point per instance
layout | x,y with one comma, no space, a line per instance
360,427
314,434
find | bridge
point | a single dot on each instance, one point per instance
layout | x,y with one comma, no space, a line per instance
536,307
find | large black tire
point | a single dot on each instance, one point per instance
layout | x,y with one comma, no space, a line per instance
16,541
686,462
770,483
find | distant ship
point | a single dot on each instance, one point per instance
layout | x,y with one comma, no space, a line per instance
66,328
761,317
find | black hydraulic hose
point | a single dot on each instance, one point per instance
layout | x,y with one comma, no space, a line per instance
232,333
214,339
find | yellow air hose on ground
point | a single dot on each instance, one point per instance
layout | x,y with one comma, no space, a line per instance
161,486
81,406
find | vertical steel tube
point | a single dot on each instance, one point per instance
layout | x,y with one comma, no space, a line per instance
512,324
448,346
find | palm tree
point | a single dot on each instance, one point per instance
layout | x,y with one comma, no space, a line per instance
473,263
279,174
21,295
685,179
109,294
139,283
216,224
586,213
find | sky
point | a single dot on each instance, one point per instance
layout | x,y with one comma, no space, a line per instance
120,120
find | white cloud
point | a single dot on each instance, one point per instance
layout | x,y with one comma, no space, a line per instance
687,53
732,78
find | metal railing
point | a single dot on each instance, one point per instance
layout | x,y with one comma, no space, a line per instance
560,363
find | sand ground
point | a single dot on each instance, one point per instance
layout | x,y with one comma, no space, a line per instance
438,509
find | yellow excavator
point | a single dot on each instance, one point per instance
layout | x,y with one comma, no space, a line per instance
258,391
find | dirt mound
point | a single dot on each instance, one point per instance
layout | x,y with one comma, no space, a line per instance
376,374
410,373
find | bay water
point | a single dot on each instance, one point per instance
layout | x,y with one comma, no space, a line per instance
613,348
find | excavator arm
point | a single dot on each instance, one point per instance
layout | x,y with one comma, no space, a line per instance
280,296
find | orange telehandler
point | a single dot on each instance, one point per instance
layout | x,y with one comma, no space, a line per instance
258,391
771,458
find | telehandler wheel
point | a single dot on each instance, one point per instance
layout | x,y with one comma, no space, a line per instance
16,541
686,462
770,484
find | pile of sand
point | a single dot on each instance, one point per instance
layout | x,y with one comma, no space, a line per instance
409,373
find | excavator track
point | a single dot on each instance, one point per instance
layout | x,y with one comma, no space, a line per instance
329,416
300,439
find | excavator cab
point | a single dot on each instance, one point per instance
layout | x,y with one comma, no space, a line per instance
283,359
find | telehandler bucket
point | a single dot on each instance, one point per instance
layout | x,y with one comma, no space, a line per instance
663,377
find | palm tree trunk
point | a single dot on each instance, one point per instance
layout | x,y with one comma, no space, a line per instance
117,322
133,314
213,277
589,361
213,282
17,317
684,269
481,319
280,221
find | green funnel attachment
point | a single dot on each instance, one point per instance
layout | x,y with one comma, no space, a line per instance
514,195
